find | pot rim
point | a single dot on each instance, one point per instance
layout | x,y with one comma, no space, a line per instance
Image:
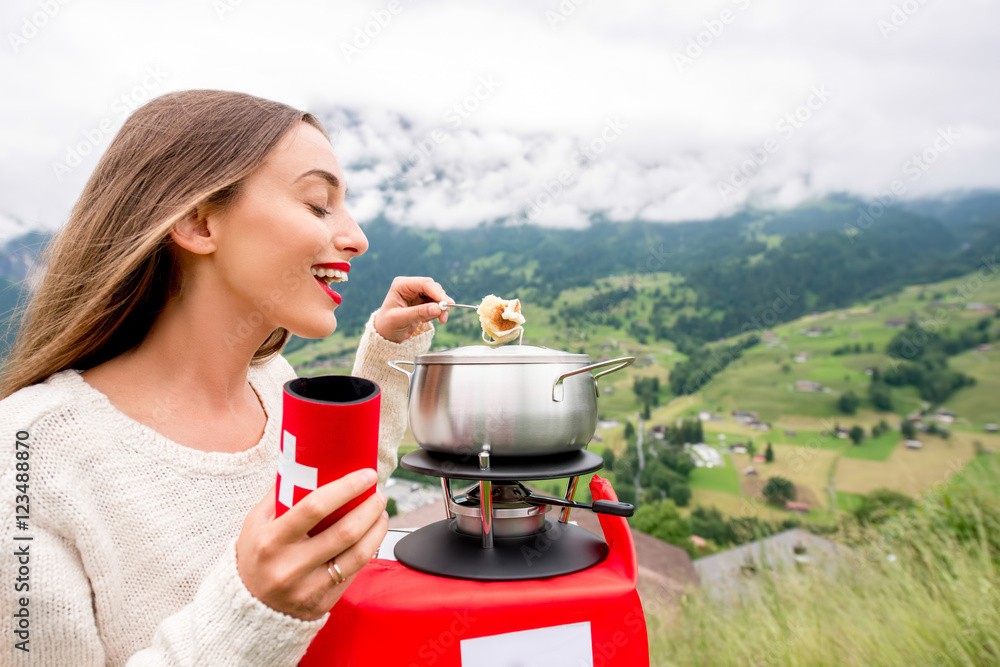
503,355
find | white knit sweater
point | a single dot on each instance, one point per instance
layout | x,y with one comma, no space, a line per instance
132,557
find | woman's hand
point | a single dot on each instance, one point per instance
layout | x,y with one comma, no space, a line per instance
406,311
286,568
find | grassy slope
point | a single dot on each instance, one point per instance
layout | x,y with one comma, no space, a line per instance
760,382
910,594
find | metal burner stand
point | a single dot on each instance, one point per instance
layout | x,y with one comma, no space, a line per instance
561,548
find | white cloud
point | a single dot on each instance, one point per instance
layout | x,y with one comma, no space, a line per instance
554,90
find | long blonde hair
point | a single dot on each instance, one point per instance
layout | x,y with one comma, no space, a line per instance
111,268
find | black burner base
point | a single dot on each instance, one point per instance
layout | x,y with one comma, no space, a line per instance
502,469
439,549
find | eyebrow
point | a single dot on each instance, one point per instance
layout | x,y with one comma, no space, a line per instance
325,175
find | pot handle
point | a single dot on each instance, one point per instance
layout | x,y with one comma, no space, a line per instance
622,362
392,364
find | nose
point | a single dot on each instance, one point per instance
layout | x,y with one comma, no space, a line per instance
349,238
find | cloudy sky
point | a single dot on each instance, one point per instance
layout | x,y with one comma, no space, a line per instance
545,110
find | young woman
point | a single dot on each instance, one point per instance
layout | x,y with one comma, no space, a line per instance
142,400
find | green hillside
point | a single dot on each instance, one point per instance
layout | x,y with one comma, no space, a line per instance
829,472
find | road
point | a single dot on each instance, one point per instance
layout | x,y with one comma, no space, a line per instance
642,459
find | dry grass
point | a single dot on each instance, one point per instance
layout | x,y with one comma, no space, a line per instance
736,506
935,601
807,467
906,470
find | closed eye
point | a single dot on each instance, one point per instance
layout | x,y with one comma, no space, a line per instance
319,211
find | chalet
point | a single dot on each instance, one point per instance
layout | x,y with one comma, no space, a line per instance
801,357
759,459
985,347
841,432
854,334
895,323
808,385
791,434
914,444
738,448
869,370
705,416
981,307
698,541
794,506
749,470
946,417
992,428
769,335
815,332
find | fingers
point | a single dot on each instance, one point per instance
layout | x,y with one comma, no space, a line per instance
414,288
300,519
353,558
347,531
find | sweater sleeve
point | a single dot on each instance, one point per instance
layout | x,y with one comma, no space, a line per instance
223,625
226,625
371,363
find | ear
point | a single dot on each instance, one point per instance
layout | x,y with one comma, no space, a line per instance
193,232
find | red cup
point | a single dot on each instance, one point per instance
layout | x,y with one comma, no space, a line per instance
329,428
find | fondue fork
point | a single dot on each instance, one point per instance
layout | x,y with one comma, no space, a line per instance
444,305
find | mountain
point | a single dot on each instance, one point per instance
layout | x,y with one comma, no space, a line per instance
817,256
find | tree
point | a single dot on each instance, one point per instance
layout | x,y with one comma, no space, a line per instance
751,448
779,490
629,430
848,403
880,395
609,460
908,429
390,507
769,453
663,521
857,434
680,494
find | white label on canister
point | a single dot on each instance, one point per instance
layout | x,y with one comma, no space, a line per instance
556,646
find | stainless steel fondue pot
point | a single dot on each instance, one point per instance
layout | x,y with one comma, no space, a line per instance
521,400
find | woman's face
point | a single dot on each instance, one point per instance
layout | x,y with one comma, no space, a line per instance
289,222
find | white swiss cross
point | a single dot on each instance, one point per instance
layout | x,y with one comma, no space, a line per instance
292,473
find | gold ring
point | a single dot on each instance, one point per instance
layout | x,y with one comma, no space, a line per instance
339,577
